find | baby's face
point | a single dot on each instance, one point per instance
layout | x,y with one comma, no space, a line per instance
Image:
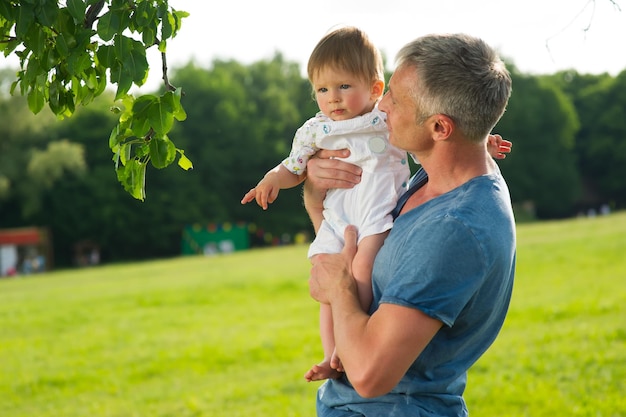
341,95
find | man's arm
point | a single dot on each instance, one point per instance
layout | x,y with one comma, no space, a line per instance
377,350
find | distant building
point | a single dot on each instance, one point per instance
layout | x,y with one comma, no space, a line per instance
215,238
24,251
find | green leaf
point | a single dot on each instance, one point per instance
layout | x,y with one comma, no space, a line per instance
101,79
130,64
178,110
171,104
68,101
167,26
113,139
9,46
118,135
25,18
61,45
106,56
161,117
122,46
7,10
50,59
106,28
142,150
54,97
125,152
33,70
148,36
36,100
35,39
140,114
113,22
162,151
91,79
183,161
77,9
145,14
162,46
179,15
122,78
132,176
47,13
78,62
141,104
136,63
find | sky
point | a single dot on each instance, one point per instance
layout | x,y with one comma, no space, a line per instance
538,36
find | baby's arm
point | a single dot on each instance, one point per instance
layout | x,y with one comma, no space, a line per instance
267,189
498,147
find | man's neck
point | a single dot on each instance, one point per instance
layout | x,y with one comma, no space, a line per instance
449,166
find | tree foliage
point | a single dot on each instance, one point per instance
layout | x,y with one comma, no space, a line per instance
241,121
70,51
542,123
600,143
32,157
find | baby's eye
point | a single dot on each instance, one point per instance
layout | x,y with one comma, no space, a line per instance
344,86
322,90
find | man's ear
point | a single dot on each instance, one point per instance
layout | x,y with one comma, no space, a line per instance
378,88
443,126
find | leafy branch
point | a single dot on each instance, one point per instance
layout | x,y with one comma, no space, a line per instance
65,62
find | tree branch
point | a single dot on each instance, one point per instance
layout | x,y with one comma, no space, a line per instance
92,14
166,81
615,5
587,28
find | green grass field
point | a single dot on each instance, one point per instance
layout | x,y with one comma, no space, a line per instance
233,335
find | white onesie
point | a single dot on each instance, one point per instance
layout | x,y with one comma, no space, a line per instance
385,175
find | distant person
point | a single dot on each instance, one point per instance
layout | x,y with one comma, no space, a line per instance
443,279
347,75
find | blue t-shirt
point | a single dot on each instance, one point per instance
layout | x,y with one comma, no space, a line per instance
452,258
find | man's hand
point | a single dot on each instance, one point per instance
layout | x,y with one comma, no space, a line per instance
331,274
324,171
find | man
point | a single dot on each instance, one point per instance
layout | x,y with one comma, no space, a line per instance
442,281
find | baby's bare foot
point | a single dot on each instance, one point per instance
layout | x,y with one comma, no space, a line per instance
322,371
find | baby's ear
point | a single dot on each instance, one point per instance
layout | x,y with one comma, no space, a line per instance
378,89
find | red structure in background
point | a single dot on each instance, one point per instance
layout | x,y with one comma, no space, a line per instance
26,236
24,251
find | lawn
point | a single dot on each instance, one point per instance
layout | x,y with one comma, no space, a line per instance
233,335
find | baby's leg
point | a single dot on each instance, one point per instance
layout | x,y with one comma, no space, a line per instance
323,370
362,265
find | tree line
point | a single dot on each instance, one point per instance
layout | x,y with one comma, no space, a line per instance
568,156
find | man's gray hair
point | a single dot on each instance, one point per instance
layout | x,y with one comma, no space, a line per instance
459,76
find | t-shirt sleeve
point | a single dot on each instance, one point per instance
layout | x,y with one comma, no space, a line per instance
438,271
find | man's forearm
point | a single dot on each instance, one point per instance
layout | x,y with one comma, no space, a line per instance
353,341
